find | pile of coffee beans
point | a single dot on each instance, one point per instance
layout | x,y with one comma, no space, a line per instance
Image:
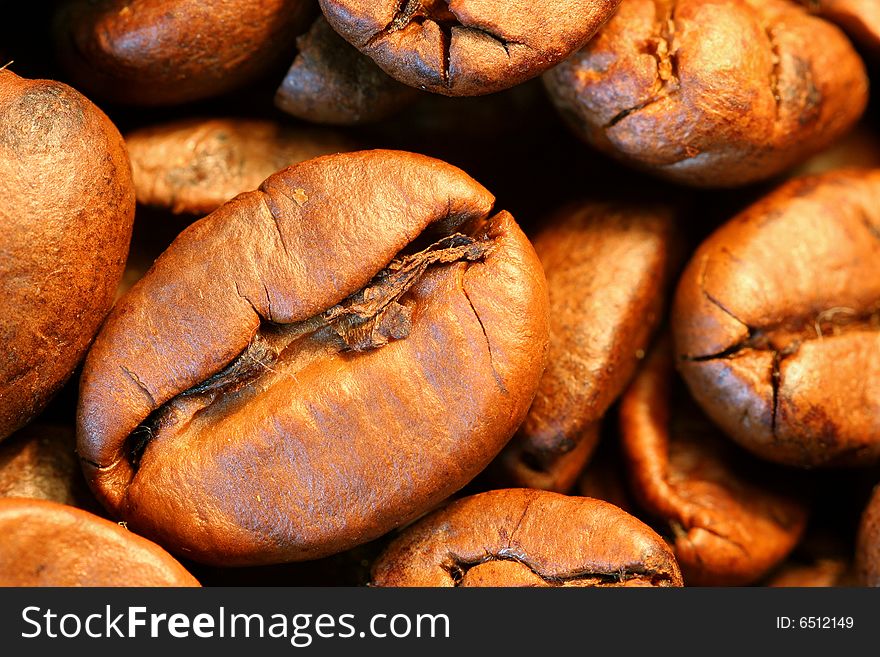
440,293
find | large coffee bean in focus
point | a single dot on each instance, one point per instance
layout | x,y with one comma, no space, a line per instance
316,362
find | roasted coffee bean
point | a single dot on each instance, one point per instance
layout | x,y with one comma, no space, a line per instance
777,323
730,517
860,19
66,207
868,543
521,537
164,52
40,462
332,82
316,362
49,544
467,47
607,267
194,166
714,93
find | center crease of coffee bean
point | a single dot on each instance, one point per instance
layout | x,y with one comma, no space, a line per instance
368,319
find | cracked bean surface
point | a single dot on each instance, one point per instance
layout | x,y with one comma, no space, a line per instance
730,517
776,323
316,362
527,537
713,93
467,47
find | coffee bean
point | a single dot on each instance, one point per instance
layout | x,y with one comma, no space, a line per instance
608,266
466,47
777,323
66,206
331,82
730,517
165,52
316,362
715,93
522,537
194,166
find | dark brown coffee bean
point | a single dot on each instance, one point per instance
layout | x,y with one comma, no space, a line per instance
49,544
731,518
332,82
164,52
713,93
316,362
466,47
860,19
521,537
777,323
194,166
40,462
868,543
607,268
66,207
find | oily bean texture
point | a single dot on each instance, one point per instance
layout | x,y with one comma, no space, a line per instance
731,518
608,266
523,537
49,544
194,166
777,323
64,240
316,362
332,82
714,93
165,52
466,47
868,543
